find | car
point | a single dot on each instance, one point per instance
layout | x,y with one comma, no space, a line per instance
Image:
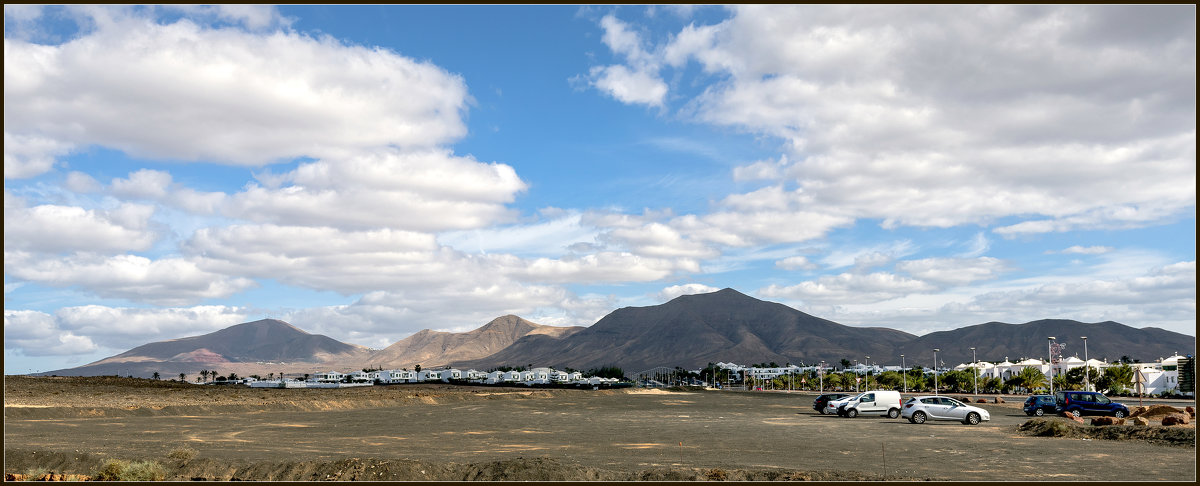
824,399
838,406
1039,405
933,407
1079,403
873,402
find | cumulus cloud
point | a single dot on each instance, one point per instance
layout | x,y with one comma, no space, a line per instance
886,113
166,281
428,190
953,271
685,289
188,92
158,186
637,83
848,288
37,334
83,329
49,228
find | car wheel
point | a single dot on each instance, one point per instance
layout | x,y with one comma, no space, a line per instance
852,413
918,417
1119,414
1076,413
893,413
972,419
1039,412
822,411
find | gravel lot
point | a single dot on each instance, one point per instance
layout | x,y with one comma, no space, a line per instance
573,434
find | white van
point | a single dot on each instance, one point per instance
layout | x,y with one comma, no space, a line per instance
874,402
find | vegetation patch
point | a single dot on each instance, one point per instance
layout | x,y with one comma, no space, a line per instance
119,470
1174,436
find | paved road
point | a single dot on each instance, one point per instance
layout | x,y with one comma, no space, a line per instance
625,431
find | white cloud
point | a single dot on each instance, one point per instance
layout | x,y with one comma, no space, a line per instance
849,288
796,263
953,271
629,86
53,229
81,183
168,281
158,186
36,334
27,156
889,114
429,190
1085,250
686,289
186,92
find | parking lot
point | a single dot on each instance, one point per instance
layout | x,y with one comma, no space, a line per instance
625,431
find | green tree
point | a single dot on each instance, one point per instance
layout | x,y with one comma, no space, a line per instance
1030,378
204,375
834,381
155,375
955,381
990,385
889,380
417,368
1075,376
182,377
845,363
1116,379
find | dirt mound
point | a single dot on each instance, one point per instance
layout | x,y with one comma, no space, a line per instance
1155,411
1175,436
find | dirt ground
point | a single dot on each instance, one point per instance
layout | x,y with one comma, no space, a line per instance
443,432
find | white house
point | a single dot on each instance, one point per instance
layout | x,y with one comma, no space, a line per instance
429,375
451,374
361,377
397,376
330,377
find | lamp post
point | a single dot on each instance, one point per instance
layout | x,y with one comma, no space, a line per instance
821,375
935,383
1050,353
975,371
866,373
903,374
1087,382
856,378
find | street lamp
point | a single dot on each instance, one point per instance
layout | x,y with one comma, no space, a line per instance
856,378
975,370
1087,382
935,383
821,375
1050,353
867,373
903,374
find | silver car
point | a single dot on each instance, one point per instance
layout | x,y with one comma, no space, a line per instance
919,409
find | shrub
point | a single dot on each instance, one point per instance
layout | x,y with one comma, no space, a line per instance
118,470
182,454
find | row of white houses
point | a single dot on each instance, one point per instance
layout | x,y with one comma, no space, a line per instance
1161,375
536,376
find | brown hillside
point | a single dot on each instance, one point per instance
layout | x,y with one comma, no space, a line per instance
435,348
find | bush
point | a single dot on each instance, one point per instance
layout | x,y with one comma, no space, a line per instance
118,470
182,454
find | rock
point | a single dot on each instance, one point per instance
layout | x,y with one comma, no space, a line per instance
1176,419
1191,411
14,477
1140,421
1103,421
1072,416
981,400
999,400
1155,411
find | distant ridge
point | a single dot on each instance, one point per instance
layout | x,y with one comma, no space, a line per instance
435,348
266,340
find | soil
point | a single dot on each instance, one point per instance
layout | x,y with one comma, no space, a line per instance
445,432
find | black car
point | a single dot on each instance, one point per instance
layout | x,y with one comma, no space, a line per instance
1039,405
822,400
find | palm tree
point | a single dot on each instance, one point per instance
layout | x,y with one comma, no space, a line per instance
1030,378
155,375
834,380
204,375
1116,378
845,363
182,377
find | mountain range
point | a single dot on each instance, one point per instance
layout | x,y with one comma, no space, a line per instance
689,331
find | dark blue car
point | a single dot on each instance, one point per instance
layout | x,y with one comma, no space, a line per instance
1079,403
1039,405
819,403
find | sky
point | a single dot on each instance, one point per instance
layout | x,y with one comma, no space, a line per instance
368,172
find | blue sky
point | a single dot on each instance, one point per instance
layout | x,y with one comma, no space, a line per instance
367,172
